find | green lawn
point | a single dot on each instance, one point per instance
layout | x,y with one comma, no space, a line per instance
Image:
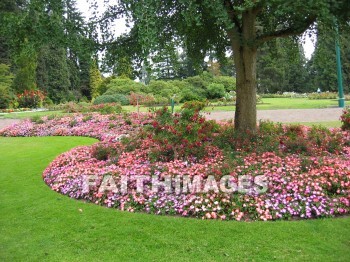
23,115
267,104
37,224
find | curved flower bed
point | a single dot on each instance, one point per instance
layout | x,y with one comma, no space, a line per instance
303,186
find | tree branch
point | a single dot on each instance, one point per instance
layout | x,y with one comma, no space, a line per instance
297,30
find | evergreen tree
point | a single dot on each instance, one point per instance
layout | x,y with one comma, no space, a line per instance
95,79
53,73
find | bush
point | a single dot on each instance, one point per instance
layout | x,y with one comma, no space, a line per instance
70,107
191,93
5,98
116,98
323,95
184,135
31,98
37,119
194,105
163,88
215,91
103,87
125,86
228,82
345,119
109,108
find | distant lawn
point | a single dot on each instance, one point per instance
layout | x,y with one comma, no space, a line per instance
23,115
38,224
267,104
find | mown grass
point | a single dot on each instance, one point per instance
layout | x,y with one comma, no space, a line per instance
267,104
38,224
23,115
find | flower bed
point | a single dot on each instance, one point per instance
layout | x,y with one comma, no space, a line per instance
305,171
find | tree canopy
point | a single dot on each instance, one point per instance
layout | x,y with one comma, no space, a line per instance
242,26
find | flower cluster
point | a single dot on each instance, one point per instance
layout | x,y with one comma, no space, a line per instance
102,127
183,135
305,180
30,98
345,119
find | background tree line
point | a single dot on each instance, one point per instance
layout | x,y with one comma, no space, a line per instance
47,45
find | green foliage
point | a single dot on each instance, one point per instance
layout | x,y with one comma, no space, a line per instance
52,73
125,86
108,108
322,66
104,84
281,67
191,93
37,119
26,63
6,78
124,68
163,88
95,79
216,91
116,98
228,82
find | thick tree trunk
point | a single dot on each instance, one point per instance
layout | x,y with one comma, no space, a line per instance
244,53
245,115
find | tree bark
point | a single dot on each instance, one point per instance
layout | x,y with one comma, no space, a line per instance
245,53
245,115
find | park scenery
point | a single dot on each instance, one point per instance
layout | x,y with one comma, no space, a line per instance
174,131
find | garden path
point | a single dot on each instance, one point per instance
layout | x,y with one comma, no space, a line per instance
287,115
7,122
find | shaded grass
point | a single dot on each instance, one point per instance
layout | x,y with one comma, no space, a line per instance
37,224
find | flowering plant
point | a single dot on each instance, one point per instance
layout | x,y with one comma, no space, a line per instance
345,119
180,136
304,181
31,98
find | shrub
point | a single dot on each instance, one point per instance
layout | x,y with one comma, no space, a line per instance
184,135
163,88
323,95
191,93
125,86
5,98
116,98
345,119
70,107
37,119
215,91
228,82
195,105
100,152
109,108
31,98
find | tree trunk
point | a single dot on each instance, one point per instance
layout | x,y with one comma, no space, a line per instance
245,115
244,53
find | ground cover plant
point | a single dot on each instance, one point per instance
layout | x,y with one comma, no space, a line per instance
306,170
